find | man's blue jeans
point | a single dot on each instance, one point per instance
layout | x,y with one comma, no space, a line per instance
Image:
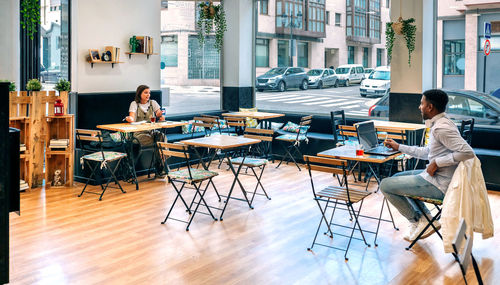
409,183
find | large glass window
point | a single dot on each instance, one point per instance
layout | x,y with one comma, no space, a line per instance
454,57
350,54
262,52
363,18
169,51
54,42
303,54
283,53
203,60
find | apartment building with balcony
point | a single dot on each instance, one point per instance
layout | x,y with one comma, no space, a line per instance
460,34
304,33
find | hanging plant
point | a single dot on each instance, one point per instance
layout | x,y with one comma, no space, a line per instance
407,29
211,16
30,9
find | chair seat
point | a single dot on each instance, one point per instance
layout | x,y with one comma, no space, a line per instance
196,174
427,200
108,156
339,193
249,161
290,138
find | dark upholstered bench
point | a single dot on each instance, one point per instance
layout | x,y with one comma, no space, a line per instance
490,165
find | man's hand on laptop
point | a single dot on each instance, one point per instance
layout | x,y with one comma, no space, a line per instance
391,144
432,168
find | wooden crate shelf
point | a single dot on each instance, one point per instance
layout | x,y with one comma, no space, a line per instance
59,127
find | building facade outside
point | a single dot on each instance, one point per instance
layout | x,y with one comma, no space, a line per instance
460,34
323,33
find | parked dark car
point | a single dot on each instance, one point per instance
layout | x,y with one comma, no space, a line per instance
50,75
462,104
281,78
322,77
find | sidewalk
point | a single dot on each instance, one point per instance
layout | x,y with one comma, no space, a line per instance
192,89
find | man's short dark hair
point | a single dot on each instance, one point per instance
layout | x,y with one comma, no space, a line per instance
438,98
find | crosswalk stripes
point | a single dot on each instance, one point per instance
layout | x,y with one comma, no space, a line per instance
306,100
289,99
344,103
266,98
325,102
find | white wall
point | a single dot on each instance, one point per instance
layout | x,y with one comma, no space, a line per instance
96,24
9,40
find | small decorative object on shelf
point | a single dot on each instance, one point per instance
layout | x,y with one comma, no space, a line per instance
57,181
34,85
58,108
211,15
133,44
111,55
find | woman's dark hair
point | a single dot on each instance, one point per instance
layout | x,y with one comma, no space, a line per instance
138,93
438,98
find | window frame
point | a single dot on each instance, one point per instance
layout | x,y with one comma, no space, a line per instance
452,54
263,11
266,44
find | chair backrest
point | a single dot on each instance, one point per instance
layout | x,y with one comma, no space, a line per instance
177,149
388,133
239,123
89,136
337,118
215,120
348,131
462,251
304,126
466,129
260,134
328,165
205,122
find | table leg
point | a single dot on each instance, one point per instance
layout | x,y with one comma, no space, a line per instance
128,139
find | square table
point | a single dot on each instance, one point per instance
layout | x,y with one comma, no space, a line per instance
348,152
410,129
127,130
224,143
260,116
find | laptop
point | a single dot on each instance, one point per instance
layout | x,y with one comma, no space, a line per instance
367,136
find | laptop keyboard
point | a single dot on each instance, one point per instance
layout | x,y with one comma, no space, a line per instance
381,149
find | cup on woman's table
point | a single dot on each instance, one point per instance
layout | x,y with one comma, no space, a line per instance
153,119
360,151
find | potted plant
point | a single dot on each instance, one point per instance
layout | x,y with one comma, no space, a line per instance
34,85
63,85
211,16
407,29
12,85
30,10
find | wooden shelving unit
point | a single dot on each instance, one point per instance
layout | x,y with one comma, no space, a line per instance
23,125
59,127
130,54
108,62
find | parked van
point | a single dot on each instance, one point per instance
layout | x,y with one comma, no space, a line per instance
350,73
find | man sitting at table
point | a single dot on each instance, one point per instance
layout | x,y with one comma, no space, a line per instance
445,150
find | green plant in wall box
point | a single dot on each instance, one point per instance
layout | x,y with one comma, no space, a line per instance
34,85
12,85
407,29
211,16
63,85
30,10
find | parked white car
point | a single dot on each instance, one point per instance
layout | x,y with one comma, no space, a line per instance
378,83
350,73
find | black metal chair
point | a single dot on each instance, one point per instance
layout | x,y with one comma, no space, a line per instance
189,175
336,195
430,221
463,253
99,161
466,129
294,140
337,119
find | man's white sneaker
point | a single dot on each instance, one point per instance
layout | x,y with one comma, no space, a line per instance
410,231
422,223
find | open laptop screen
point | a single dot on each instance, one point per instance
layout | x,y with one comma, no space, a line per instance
367,135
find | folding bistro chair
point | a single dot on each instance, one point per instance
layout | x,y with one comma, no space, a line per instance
294,141
463,253
430,221
209,124
237,124
337,119
266,136
336,195
191,176
99,161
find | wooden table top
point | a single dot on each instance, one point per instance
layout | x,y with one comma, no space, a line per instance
254,115
221,141
397,126
348,152
129,128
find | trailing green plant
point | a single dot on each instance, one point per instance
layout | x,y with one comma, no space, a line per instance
30,9
12,85
211,16
63,85
34,85
404,27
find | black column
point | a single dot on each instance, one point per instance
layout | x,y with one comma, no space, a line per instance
4,183
403,107
234,98
30,54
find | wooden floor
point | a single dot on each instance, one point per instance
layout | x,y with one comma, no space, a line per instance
62,239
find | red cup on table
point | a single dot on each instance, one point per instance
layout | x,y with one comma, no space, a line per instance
360,152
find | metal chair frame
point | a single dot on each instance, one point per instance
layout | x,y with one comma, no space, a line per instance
463,258
293,148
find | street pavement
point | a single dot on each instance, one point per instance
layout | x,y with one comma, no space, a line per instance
184,99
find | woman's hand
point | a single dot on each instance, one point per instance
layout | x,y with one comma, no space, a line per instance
162,118
129,119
